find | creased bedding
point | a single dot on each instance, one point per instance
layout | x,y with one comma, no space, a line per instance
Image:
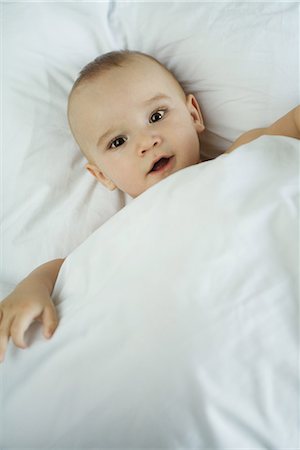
178,319
240,59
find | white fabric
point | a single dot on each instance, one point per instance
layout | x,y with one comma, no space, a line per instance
239,58
178,319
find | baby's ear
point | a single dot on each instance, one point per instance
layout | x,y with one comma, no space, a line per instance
195,111
100,176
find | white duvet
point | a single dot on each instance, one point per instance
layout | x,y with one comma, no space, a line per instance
178,319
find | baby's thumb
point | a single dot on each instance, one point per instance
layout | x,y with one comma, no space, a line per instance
50,320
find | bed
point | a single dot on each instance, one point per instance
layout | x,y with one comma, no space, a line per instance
182,336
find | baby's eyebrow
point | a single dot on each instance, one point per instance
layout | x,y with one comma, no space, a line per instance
157,98
104,136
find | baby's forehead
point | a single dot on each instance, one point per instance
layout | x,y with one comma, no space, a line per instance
137,72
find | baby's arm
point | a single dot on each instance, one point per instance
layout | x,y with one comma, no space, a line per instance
288,125
29,301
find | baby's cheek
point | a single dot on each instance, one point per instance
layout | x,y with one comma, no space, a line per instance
191,147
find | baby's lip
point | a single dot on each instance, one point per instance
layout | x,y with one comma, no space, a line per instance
157,159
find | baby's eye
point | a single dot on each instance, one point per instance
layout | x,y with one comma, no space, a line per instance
117,142
157,115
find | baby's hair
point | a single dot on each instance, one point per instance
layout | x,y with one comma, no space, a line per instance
107,61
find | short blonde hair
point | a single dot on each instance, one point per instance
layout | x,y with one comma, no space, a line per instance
109,60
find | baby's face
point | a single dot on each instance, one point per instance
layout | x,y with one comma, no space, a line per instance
131,117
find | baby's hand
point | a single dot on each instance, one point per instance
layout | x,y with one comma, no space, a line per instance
18,310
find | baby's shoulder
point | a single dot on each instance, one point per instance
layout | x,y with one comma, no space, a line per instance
247,137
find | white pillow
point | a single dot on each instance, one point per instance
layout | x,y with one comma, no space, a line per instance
240,59
51,203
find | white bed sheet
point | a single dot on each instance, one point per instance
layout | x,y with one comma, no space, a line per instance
179,319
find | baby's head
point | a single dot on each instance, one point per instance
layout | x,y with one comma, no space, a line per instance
133,121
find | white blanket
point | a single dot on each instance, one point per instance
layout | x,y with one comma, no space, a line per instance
178,319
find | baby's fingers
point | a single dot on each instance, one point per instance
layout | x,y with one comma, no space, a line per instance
19,326
50,320
3,346
4,334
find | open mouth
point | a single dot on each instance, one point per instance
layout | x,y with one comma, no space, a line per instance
160,165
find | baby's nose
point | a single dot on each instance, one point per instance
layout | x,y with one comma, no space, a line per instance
146,142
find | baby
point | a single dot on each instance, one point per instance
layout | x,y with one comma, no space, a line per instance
135,125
